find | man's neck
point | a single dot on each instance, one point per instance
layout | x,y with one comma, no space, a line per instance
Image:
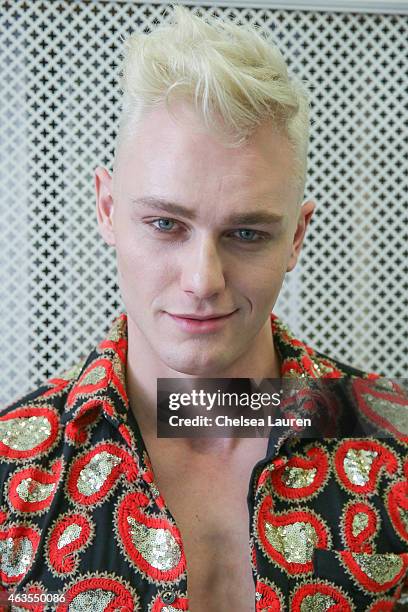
143,368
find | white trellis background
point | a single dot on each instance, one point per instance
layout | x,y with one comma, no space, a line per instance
59,110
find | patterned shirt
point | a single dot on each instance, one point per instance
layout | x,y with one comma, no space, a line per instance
82,520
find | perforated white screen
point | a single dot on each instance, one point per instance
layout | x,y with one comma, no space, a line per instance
59,111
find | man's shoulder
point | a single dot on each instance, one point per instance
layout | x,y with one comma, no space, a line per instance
62,407
337,367
55,391
31,426
298,358
379,404
52,392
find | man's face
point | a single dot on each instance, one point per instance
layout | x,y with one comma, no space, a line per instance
201,230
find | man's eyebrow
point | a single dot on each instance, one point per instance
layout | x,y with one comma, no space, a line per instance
249,218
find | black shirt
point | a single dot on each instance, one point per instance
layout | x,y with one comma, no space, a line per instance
81,518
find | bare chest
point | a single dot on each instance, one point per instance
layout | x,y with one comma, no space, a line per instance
208,500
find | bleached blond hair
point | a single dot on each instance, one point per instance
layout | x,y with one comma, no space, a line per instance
235,78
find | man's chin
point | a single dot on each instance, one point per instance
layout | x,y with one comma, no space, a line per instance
211,368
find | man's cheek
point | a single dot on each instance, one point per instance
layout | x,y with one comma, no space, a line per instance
130,261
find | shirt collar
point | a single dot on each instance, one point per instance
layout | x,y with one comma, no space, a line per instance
101,382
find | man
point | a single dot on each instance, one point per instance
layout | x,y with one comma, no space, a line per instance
205,213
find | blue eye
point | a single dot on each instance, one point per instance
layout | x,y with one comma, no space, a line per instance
247,235
164,224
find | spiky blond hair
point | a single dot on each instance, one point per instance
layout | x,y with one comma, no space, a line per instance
235,78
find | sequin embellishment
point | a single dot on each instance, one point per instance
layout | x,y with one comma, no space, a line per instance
317,596
268,596
303,476
359,523
397,503
153,544
96,600
24,433
298,477
93,476
71,533
100,592
289,538
385,404
376,572
18,546
296,542
68,536
359,463
31,491
318,603
381,568
93,376
157,546
15,560
27,432
395,413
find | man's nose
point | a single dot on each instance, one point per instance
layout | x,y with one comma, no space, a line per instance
202,269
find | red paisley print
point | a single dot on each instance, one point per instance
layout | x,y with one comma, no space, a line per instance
358,540
153,544
287,480
268,599
349,461
81,512
364,389
114,459
71,534
357,566
57,385
18,441
119,346
276,464
95,377
127,435
397,502
148,477
114,594
18,546
78,430
303,597
308,531
29,483
98,375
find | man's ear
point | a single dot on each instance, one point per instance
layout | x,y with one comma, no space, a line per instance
305,214
104,204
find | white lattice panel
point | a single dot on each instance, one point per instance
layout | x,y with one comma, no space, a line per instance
59,110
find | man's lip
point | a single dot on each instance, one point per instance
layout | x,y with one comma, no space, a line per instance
201,318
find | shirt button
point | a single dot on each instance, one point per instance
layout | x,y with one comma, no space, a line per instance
168,597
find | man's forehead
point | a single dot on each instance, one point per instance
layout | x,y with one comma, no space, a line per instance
199,163
165,132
